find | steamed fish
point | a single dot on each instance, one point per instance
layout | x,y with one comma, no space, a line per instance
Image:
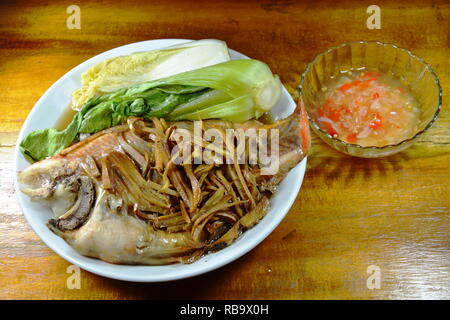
119,196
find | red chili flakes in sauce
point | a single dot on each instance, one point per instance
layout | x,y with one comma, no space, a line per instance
367,108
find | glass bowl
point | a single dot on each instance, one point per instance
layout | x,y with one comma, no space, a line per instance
411,70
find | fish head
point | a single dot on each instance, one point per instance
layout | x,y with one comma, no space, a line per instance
58,184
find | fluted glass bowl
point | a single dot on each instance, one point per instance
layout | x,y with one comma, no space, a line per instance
389,59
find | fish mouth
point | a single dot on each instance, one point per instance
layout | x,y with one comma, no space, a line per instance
78,214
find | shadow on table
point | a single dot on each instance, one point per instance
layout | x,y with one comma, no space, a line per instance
199,287
333,165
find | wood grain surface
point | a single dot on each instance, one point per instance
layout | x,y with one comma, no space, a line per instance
350,214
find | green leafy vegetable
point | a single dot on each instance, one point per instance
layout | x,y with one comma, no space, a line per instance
234,78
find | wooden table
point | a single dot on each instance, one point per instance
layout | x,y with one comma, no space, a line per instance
351,214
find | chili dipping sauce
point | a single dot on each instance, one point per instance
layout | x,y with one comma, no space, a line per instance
367,108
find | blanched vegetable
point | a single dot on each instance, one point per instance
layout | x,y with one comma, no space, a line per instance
236,90
236,110
123,71
236,78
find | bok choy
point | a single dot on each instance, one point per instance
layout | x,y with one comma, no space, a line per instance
236,90
120,72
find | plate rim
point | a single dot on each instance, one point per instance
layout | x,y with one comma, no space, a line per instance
118,275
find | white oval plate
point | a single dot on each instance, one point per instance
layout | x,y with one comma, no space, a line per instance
46,113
